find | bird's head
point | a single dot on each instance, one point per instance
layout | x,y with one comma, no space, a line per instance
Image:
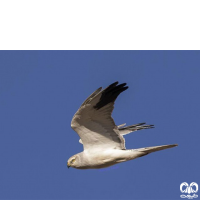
72,162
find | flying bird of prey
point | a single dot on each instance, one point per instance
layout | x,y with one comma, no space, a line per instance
103,141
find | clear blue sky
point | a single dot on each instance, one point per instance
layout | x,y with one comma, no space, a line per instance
41,90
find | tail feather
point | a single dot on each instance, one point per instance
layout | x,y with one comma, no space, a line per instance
148,150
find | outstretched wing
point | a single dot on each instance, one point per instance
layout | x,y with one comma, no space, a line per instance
124,130
93,121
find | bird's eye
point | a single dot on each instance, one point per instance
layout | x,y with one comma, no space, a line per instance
73,161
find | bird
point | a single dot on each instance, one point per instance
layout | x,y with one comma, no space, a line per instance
103,141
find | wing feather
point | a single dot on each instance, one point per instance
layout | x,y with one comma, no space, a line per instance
93,121
124,130
128,129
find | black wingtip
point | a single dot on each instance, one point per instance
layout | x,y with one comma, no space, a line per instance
110,94
113,84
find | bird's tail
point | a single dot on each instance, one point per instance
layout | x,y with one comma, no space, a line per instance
147,150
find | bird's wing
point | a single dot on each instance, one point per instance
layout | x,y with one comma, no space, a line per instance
93,121
123,130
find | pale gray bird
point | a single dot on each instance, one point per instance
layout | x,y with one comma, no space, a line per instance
103,141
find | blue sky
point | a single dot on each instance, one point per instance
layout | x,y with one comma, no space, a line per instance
41,90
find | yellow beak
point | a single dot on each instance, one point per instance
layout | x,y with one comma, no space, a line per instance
68,165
